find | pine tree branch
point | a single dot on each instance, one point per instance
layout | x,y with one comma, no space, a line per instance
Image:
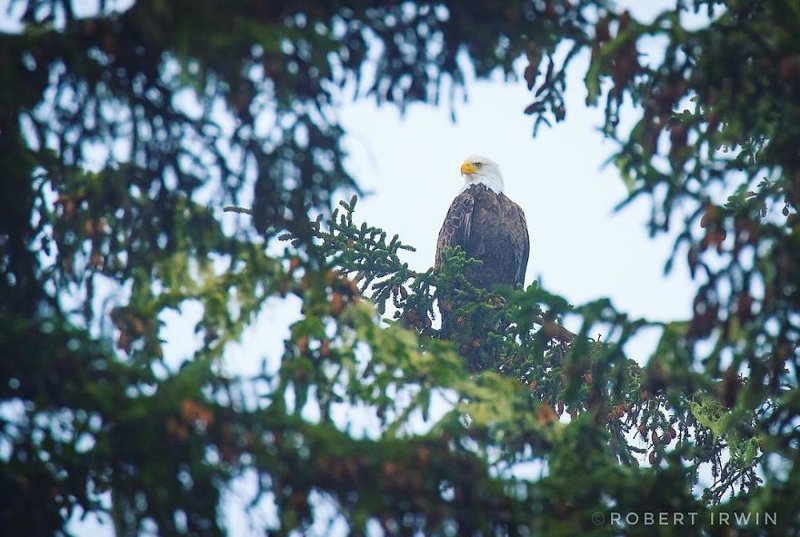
553,329
238,210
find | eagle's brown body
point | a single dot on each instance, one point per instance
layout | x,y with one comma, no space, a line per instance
489,227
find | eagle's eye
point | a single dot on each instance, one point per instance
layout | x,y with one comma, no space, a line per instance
479,165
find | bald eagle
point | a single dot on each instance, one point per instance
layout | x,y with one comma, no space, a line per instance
488,226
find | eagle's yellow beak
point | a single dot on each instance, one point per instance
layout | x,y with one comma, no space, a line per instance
468,168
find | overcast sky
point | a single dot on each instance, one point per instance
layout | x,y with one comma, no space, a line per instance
580,248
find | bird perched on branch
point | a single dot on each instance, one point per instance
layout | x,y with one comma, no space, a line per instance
488,226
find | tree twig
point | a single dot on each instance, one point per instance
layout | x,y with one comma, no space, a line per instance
238,210
553,329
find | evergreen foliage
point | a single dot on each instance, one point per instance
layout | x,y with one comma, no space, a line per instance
123,134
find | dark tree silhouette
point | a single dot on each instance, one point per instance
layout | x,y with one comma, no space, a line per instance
123,135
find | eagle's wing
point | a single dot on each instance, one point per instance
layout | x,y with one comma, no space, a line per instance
456,228
524,249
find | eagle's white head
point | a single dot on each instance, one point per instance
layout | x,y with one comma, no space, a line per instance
477,169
